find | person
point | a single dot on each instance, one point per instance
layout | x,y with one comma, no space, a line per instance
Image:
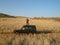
27,21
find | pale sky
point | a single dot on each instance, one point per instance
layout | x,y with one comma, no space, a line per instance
31,8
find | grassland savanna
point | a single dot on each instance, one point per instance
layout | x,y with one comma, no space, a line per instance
10,24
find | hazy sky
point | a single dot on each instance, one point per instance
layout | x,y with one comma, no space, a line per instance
31,8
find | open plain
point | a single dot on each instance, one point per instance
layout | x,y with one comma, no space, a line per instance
8,25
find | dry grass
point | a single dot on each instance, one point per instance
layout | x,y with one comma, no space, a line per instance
30,39
10,24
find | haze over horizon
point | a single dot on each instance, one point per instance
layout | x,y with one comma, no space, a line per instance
31,8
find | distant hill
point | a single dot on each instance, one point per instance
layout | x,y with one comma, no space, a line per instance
21,17
2,15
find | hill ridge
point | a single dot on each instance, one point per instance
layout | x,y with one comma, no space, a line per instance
5,15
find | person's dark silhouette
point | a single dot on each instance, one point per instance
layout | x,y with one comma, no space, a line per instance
27,21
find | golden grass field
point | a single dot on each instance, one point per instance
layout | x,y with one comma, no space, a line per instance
10,24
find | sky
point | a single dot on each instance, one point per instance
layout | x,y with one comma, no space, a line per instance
31,8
